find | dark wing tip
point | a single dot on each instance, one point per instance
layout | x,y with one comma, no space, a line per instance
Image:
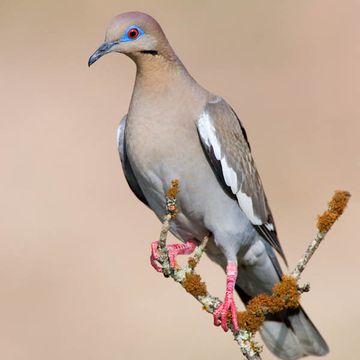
271,237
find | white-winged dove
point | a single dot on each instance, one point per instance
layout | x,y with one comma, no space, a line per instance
175,129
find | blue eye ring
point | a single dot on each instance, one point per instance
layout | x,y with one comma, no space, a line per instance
132,33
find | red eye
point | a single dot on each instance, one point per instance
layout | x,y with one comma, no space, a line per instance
133,33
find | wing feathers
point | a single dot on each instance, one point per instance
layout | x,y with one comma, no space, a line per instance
247,207
226,145
128,171
230,176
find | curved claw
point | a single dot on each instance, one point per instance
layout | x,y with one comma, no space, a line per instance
222,312
154,264
155,256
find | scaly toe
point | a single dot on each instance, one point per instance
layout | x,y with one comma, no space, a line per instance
221,315
154,264
155,256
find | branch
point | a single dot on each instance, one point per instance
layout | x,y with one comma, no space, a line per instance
336,207
286,294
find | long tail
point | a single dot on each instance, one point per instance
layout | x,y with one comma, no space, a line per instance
289,334
293,336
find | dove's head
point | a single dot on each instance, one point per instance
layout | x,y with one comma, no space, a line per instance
135,34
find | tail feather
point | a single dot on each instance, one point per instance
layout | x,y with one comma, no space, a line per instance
289,334
293,336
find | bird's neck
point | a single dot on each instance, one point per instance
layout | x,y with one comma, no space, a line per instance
157,73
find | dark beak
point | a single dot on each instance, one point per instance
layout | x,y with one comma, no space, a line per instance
102,50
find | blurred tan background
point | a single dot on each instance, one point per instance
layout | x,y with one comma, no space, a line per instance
75,279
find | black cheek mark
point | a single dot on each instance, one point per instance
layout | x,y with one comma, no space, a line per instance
151,52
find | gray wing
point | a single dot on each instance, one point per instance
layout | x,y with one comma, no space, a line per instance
226,146
128,172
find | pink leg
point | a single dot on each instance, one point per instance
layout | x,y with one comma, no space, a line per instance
173,250
222,310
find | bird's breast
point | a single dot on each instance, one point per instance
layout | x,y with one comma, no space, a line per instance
163,146
160,135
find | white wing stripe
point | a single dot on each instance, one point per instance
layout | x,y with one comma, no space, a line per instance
246,205
229,175
208,134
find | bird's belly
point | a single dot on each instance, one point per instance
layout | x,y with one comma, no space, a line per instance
157,163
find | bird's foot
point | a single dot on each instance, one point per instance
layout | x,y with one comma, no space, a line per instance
228,304
173,250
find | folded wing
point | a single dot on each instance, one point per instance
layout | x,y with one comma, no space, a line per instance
226,146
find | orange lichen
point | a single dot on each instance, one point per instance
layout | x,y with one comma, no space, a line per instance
192,263
287,291
285,295
174,189
326,220
339,201
193,285
171,198
249,321
336,207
